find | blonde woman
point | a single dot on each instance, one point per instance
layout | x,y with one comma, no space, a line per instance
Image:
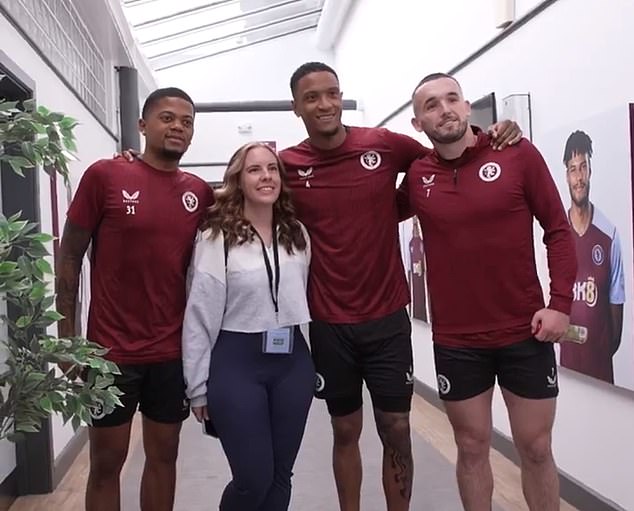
246,363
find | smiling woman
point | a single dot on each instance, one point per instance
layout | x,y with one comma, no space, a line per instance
245,360
260,180
255,194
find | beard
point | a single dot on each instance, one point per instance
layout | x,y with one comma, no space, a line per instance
171,154
583,201
451,136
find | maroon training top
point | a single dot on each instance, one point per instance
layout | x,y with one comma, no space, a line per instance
346,198
144,222
477,214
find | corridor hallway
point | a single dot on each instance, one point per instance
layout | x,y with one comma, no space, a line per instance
203,471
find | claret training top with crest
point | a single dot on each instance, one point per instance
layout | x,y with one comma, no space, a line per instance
144,223
476,215
346,197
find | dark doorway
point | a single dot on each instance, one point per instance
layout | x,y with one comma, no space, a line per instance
34,456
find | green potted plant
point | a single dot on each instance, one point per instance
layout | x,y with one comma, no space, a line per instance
31,386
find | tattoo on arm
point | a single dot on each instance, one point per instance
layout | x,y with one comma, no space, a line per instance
394,431
75,241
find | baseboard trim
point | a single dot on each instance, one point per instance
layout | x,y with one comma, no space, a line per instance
8,491
571,490
68,455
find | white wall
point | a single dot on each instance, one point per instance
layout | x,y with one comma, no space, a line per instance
257,72
93,143
216,135
386,47
570,63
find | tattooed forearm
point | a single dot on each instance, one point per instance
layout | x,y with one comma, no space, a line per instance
398,467
72,248
67,285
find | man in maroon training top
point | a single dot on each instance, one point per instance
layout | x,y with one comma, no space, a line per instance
343,181
599,291
476,209
142,219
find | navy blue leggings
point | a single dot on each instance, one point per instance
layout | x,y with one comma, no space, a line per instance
259,404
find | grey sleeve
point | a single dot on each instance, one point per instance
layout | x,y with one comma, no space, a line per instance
192,263
203,319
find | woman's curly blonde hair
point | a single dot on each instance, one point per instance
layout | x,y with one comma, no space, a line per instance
226,215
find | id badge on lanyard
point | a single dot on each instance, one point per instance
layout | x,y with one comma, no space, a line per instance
278,341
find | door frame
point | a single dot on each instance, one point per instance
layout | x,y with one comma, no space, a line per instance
34,469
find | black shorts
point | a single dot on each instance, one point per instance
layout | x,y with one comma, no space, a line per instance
378,352
527,368
158,390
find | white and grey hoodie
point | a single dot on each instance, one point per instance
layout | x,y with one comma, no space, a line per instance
236,298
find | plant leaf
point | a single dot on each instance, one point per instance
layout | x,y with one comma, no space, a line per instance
7,105
16,168
53,315
44,266
42,237
23,321
29,105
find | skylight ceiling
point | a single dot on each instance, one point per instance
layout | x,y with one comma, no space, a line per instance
173,33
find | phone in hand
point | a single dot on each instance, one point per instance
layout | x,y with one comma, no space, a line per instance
209,429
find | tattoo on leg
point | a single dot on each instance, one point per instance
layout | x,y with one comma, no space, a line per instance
402,476
394,432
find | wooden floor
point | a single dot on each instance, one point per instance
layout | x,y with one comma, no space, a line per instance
432,424
69,495
427,421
